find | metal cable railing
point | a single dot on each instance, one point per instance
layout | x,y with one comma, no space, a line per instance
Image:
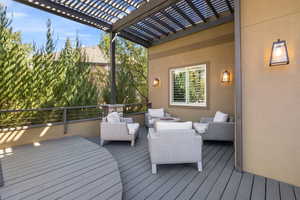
30,118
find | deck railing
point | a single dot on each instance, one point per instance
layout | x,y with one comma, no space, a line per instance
40,117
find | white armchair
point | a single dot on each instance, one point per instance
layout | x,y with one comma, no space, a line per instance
154,115
174,142
118,130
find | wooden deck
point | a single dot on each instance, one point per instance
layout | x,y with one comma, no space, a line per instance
75,168
218,181
69,168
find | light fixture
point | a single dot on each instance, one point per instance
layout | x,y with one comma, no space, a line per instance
226,77
279,54
156,82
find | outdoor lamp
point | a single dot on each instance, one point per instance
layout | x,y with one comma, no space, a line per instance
279,54
155,82
226,77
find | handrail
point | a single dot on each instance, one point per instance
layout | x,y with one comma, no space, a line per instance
19,119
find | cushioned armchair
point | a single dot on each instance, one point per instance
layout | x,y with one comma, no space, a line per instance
153,115
218,131
122,129
174,142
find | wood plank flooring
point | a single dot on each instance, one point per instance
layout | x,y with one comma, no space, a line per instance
217,181
75,168
69,168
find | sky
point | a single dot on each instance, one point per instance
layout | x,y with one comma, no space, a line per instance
31,22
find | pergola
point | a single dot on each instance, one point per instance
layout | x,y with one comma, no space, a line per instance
145,22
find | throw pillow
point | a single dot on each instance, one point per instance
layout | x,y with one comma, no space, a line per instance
113,117
220,117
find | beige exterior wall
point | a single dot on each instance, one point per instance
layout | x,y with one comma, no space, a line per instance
271,96
28,136
214,46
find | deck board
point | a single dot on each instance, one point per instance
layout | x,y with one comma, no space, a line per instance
272,188
218,181
60,169
287,191
75,168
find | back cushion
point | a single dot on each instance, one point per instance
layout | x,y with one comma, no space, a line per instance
173,126
220,117
156,112
113,117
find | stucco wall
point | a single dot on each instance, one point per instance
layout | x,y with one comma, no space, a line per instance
28,136
271,96
214,46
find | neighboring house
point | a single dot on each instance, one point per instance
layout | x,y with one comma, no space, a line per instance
93,55
99,63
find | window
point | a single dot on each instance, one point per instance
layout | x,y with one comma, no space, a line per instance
188,86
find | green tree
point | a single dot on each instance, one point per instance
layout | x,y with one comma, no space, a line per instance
131,77
50,47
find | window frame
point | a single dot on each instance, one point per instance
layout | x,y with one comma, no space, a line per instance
186,69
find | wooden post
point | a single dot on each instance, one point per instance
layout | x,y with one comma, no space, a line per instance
238,90
113,99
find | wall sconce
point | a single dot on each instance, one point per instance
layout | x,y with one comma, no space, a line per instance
156,82
226,77
279,54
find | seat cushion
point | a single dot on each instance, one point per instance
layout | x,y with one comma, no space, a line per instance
201,127
133,127
113,117
156,112
220,117
173,125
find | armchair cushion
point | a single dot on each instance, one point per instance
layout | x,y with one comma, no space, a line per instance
132,128
201,127
173,125
113,117
156,112
220,117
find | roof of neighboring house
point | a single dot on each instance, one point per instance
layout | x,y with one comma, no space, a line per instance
93,55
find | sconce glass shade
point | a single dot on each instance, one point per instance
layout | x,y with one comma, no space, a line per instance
155,82
225,76
279,54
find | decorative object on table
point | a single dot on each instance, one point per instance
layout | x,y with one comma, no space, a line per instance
154,115
279,54
217,128
174,142
116,128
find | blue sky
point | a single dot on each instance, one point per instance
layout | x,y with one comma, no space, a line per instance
32,23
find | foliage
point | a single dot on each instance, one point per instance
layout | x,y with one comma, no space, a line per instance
31,78
50,47
131,77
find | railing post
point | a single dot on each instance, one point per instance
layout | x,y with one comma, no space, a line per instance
113,99
65,121
1,176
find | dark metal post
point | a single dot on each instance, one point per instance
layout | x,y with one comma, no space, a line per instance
1,176
65,121
113,99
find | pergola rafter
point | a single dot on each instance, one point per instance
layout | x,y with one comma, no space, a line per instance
146,22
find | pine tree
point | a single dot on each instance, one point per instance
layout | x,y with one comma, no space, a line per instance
50,47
